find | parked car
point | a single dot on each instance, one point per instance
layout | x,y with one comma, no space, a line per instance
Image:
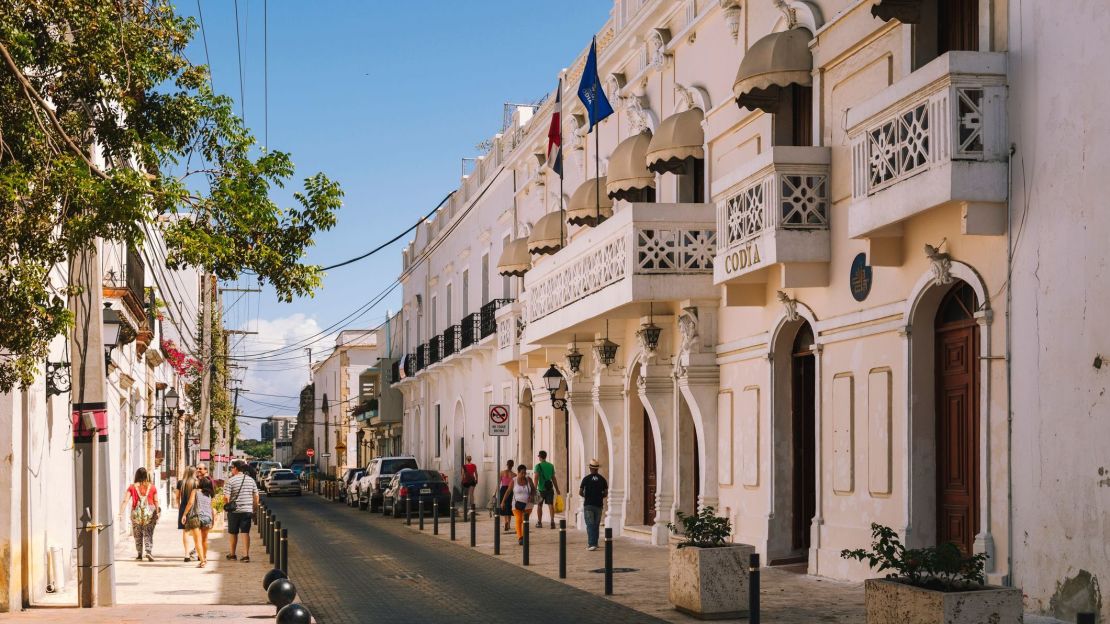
376,478
262,470
428,486
282,481
348,477
351,490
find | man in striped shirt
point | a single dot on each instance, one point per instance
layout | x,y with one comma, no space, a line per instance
242,492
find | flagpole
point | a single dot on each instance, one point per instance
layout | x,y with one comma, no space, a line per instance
562,209
597,144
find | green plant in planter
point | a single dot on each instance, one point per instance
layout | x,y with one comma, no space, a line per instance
703,529
943,567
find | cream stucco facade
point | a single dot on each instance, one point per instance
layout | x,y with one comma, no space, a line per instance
830,264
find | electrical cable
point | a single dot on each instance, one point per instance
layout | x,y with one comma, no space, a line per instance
392,240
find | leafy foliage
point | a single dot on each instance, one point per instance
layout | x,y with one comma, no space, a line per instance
107,130
257,448
943,567
704,529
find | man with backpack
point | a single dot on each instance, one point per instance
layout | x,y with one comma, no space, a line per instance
548,487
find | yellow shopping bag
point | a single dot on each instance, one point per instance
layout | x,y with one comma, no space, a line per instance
560,504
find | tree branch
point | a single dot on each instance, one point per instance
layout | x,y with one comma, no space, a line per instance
30,89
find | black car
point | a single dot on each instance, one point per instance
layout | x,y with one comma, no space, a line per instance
418,485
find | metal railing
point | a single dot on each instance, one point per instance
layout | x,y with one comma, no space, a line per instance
488,311
452,340
422,357
435,349
471,331
395,372
410,365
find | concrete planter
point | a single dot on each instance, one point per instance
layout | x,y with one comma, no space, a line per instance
710,583
891,602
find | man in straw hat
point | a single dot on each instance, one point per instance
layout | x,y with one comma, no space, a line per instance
593,491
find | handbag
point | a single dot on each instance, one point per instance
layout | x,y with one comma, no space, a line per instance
230,506
560,504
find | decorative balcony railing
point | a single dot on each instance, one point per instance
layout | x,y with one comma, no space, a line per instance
471,329
410,365
124,269
452,340
488,312
435,349
948,113
644,239
422,357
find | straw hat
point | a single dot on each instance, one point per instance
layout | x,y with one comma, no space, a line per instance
594,464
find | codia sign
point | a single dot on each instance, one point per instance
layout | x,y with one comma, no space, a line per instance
741,258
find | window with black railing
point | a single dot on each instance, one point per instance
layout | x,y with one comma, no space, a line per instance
435,349
452,340
395,372
471,329
489,311
136,273
421,356
410,365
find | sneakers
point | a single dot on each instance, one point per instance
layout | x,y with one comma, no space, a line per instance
539,525
592,548
149,557
520,541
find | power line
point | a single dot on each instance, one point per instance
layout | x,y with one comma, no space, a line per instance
392,240
204,38
239,52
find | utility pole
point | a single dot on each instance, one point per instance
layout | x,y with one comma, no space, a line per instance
206,370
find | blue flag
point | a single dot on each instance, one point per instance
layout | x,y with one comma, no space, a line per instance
590,91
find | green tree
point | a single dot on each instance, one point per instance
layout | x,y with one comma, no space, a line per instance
106,127
257,448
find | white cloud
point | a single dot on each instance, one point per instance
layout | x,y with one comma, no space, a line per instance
276,365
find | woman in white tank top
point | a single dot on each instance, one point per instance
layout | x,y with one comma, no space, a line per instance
522,492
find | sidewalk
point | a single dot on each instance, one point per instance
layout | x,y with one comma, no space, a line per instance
786,597
168,589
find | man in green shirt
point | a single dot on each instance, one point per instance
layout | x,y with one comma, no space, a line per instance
548,488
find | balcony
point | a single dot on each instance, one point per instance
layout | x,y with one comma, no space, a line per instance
935,138
775,211
124,279
488,322
644,252
410,365
421,357
471,331
435,349
510,327
452,340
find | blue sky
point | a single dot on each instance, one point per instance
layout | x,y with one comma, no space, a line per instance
386,98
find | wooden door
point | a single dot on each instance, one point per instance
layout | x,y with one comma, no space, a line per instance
803,412
957,419
650,472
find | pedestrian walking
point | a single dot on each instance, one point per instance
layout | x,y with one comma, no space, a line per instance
469,479
548,488
240,500
141,499
521,494
505,481
198,516
180,497
594,490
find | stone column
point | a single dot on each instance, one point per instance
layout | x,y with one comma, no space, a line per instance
580,407
608,401
699,386
656,390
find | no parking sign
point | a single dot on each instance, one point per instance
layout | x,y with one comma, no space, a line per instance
499,420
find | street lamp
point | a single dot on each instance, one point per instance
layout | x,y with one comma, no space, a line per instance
553,379
574,358
649,333
110,330
606,349
170,400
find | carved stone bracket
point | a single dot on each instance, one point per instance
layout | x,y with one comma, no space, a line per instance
789,306
732,17
941,264
657,40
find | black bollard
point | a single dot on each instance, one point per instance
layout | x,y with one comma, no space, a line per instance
753,588
272,576
435,517
1085,618
420,510
524,551
281,592
266,533
452,519
408,510
608,561
293,614
496,535
284,566
562,549
473,527
274,534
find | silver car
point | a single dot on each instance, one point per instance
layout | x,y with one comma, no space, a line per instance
282,481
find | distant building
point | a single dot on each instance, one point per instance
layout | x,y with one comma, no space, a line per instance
279,430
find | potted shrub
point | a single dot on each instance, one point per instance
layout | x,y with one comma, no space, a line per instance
936,585
708,576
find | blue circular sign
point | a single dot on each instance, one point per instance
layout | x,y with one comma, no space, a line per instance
860,278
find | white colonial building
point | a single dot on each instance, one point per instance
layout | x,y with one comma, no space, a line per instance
837,263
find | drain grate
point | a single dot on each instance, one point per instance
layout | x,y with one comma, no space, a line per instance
615,570
405,576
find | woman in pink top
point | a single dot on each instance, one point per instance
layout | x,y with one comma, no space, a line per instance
506,482
141,499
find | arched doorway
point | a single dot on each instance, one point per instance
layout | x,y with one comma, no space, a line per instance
794,448
957,417
689,460
651,471
803,408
